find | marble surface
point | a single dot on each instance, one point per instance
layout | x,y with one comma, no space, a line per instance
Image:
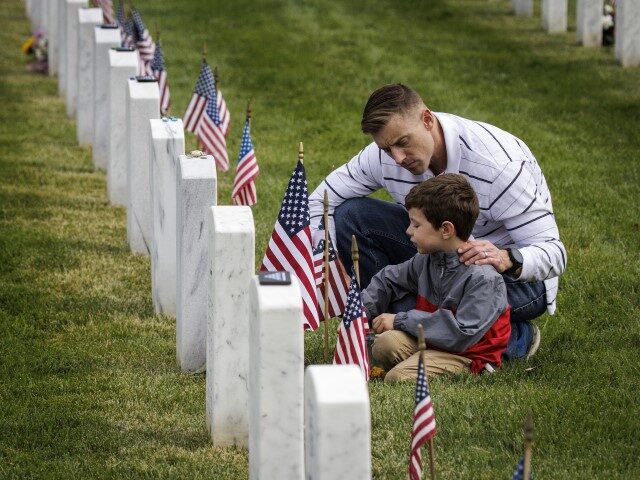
71,91
122,66
554,15
87,20
523,7
627,33
62,47
53,38
232,266
276,376
167,143
337,423
589,22
196,192
103,40
143,104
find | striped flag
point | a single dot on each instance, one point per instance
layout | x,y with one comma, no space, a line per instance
159,71
107,10
201,93
424,423
143,42
210,133
351,346
244,186
337,277
518,473
126,27
290,249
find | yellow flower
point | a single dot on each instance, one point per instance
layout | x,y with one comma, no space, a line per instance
28,45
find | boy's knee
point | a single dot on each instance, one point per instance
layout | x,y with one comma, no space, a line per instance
398,374
383,350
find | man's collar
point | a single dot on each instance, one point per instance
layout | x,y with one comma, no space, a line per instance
451,141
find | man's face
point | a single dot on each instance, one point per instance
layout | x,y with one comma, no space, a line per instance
423,235
407,139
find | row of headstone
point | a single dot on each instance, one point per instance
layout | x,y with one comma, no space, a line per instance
589,25
246,335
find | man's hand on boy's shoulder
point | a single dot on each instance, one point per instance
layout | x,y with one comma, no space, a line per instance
483,252
383,322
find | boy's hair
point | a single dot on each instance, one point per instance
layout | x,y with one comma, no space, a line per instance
447,197
385,102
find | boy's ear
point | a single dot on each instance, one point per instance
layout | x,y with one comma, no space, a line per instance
448,230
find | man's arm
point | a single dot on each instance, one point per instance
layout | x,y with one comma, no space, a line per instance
482,302
359,177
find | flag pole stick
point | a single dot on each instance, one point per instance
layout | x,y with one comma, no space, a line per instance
326,275
422,346
301,153
355,257
528,445
249,109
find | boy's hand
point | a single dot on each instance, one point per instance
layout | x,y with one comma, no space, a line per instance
383,322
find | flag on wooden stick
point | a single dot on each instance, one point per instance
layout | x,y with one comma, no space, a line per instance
143,42
336,276
126,27
351,346
290,249
424,422
244,186
211,135
159,71
201,94
225,117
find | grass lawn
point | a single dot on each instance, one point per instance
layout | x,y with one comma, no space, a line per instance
89,386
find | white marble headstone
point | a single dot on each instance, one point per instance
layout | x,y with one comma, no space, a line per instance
53,37
167,143
589,22
105,37
62,47
523,7
276,376
143,104
123,64
87,20
337,423
196,192
627,32
71,92
232,266
554,15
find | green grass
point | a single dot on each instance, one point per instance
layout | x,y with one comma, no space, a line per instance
88,381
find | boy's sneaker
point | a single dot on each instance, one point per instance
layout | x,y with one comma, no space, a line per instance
535,341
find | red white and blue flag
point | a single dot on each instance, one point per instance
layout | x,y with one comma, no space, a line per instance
336,276
126,27
244,186
290,248
351,344
211,135
159,71
424,422
107,10
143,42
518,473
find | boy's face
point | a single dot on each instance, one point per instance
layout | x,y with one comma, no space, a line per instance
422,234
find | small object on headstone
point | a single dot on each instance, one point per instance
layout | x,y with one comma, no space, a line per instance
589,22
71,78
196,193
231,266
336,417
143,104
627,32
554,15
122,64
87,19
276,377
274,278
167,144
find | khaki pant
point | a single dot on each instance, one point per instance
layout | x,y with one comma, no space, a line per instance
397,353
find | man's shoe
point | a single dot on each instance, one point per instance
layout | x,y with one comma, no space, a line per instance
535,342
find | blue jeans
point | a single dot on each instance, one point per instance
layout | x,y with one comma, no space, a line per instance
380,230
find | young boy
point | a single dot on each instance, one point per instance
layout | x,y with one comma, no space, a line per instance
462,308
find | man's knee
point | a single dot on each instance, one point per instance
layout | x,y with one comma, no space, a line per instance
391,348
348,213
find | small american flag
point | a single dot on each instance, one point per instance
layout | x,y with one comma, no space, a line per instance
126,27
211,135
424,423
160,73
336,276
351,345
201,93
518,473
244,186
143,42
290,249
107,10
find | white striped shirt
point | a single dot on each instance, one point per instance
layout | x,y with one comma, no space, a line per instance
515,202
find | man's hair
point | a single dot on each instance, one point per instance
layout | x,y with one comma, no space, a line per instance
385,102
447,197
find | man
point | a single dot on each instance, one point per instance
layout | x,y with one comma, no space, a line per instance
516,232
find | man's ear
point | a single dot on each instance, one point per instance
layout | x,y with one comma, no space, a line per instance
427,118
448,230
